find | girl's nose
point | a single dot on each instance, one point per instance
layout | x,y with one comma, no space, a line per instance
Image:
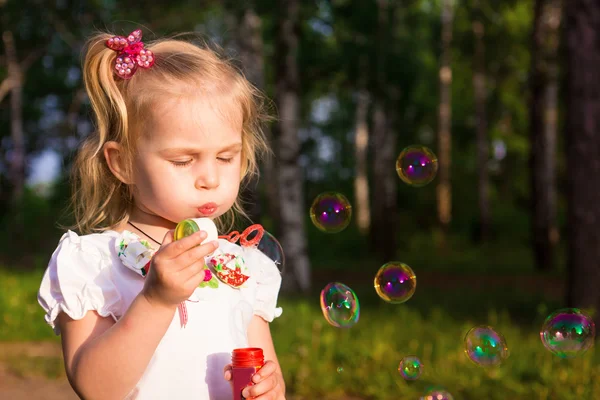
208,178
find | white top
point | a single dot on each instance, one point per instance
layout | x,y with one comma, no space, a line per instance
85,273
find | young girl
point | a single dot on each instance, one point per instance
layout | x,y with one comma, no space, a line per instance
140,314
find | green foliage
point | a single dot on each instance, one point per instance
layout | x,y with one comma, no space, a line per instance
39,215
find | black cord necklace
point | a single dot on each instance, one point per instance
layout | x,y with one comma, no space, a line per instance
151,238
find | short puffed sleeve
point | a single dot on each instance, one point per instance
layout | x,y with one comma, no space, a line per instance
268,284
78,279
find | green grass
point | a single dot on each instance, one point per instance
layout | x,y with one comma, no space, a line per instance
21,317
431,325
311,351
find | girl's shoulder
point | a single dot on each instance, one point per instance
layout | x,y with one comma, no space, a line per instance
80,277
94,244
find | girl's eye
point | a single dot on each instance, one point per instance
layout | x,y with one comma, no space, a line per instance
225,160
181,163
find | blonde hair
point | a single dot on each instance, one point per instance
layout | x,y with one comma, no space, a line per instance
99,200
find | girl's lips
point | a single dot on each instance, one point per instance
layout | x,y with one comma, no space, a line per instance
208,208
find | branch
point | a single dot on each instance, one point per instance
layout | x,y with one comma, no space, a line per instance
63,32
9,46
5,87
31,58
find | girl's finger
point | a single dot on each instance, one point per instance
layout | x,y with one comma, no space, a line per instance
168,237
178,247
266,385
227,375
267,369
197,253
194,272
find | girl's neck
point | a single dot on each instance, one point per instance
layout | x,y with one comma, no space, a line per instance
151,225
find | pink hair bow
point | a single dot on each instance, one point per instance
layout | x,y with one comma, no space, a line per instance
130,54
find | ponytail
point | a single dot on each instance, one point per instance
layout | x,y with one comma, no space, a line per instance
99,200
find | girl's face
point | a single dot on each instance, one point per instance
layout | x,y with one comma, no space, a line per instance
189,161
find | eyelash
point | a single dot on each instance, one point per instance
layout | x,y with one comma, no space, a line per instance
181,163
186,163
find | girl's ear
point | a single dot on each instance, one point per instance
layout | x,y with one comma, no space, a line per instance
115,159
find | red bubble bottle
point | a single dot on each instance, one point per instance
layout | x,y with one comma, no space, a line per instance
245,363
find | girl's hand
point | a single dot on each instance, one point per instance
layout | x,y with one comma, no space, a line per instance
177,269
268,383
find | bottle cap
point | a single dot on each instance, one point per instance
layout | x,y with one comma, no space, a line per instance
192,225
247,357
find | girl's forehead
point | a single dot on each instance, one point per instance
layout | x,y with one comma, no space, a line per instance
197,118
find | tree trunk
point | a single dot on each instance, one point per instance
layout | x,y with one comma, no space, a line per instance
361,145
543,111
383,228
444,188
290,177
583,153
17,158
247,41
481,127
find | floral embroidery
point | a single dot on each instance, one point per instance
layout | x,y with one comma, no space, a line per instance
135,253
230,269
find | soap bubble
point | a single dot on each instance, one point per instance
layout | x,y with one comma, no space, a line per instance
340,370
410,368
568,332
272,249
340,305
395,282
417,165
331,212
485,346
437,394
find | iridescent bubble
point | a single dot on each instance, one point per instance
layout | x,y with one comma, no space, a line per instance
395,282
272,249
485,346
410,368
437,394
417,165
340,305
331,212
568,332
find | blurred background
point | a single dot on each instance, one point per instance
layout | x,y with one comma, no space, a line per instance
505,93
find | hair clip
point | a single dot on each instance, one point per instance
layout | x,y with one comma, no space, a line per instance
130,54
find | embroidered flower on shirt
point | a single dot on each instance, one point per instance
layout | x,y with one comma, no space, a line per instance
230,269
135,253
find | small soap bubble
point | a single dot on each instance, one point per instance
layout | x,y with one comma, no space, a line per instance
410,368
395,282
437,394
485,346
340,305
272,249
417,165
340,370
331,212
568,332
